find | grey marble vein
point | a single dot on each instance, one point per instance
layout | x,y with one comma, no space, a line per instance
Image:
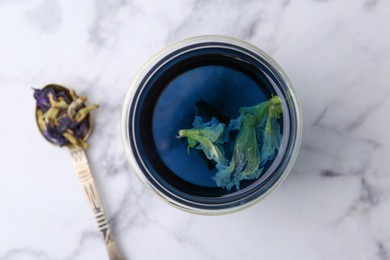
383,251
29,253
85,236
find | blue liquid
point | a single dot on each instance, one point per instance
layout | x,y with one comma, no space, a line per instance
222,79
224,88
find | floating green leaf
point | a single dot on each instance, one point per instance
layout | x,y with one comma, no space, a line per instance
257,142
208,136
246,156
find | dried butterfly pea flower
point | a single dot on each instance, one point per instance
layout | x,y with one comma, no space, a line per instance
57,113
75,141
51,114
54,136
63,123
41,96
59,102
83,112
73,95
41,120
75,105
81,129
64,96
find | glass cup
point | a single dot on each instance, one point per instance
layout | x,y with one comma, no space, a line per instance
227,73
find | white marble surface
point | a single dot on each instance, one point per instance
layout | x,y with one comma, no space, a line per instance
334,205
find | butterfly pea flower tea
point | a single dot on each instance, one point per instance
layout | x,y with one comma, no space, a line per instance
211,125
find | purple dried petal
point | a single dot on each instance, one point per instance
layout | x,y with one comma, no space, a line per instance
42,99
82,129
73,124
48,136
54,136
62,140
63,124
64,96
48,91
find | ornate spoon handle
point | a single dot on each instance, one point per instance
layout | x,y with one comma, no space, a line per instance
80,163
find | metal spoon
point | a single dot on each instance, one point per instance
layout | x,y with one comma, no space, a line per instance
80,164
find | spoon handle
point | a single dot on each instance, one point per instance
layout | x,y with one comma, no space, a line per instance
80,163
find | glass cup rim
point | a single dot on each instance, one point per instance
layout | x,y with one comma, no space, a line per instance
126,118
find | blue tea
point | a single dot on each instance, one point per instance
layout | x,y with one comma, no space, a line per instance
208,83
211,125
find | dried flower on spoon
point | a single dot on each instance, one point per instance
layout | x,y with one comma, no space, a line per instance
63,116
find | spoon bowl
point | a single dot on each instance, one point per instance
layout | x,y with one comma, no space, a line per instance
59,88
